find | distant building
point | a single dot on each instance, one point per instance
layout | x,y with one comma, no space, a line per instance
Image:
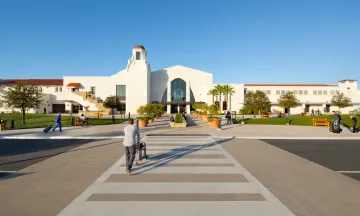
137,85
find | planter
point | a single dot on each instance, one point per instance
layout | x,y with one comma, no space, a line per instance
142,123
214,123
150,121
178,125
204,117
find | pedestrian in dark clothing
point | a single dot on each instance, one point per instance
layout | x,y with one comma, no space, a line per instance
354,123
228,117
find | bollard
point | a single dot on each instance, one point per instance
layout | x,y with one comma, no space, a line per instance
129,116
242,122
219,125
113,119
287,119
12,123
137,123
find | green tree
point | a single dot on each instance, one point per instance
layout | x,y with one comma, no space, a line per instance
228,90
341,101
213,92
219,88
288,100
257,102
21,96
112,102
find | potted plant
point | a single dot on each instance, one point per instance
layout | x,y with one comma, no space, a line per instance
213,110
204,112
142,120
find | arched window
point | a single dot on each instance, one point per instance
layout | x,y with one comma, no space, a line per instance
178,92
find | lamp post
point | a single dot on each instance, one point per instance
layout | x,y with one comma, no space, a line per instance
242,121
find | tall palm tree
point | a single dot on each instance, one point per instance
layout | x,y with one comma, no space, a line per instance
228,90
219,89
213,92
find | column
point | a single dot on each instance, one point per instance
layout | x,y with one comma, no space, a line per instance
168,110
187,96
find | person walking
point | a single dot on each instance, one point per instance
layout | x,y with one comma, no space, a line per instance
354,123
57,123
129,143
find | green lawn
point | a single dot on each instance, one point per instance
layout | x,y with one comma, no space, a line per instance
296,120
43,120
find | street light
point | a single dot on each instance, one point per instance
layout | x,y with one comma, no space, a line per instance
243,122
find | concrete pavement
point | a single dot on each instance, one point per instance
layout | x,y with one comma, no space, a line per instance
186,175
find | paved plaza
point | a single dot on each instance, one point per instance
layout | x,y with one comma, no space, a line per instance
241,170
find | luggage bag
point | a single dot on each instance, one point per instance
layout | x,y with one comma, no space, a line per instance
47,129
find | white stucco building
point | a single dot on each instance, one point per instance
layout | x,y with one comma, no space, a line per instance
175,86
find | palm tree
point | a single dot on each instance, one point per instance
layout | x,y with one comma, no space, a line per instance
228,90
213,92
219,89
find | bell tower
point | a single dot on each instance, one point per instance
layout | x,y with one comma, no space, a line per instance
138,84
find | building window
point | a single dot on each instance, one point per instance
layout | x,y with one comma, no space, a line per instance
305,92
282,91
121,92
40,89
314,92
332,92
56,89
92,89
295,91
137,55
324,92
300,92
60,89
268,92
277,92
319,92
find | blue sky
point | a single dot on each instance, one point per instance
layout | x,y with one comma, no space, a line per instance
268,41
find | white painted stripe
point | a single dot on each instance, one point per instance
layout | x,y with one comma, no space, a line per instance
172,152
182,170
248,208
8,172
182,142
164,187
200,161
348,171
150,147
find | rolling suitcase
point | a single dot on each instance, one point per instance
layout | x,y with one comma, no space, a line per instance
336,129
233,121
47,129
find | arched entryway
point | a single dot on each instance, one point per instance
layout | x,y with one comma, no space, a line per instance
178,96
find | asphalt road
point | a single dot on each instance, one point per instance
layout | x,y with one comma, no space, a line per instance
19,154
338,155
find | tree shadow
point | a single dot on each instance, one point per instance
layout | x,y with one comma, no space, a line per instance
9,175
164,158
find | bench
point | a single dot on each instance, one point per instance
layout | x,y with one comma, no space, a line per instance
321,122
264,116
78,122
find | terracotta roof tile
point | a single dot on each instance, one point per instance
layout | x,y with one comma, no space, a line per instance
37,81
304,85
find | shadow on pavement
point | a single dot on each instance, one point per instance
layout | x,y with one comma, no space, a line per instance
7,175
176,153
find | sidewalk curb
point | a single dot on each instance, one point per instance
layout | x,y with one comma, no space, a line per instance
62,137
289,138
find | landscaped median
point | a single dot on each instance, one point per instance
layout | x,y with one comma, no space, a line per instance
295,120
179,122
43,120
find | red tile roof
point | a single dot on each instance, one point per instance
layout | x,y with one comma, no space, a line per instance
36,81
304,85
75,85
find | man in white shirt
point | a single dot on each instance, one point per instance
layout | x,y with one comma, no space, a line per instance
130,132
